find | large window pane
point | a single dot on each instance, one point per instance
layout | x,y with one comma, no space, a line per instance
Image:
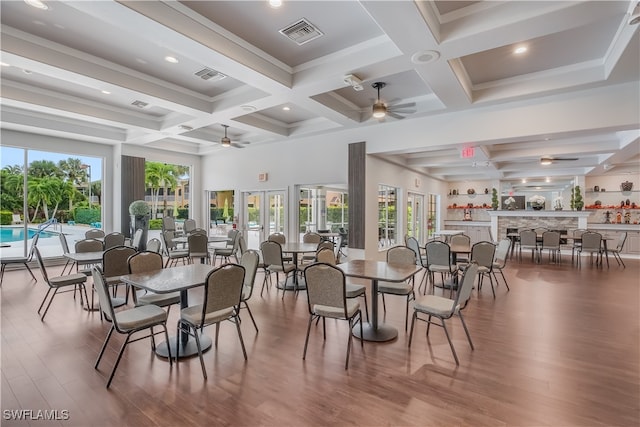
387,216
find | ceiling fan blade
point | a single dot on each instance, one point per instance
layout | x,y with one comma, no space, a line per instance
394,115
236,145
405,105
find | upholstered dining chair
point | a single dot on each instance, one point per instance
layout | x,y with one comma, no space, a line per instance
500,260
189,226
143,262
622,238
551,243
405,256
57,284
272,258
249,260
577,242
114,265
591,244
87,245
113,239
439,260
230,250
24,260
94,233
326,297
171,251
445,308
412,243
460,240
483,253
154,245
528,241
282,239
222,297
198,248
310,237
127,322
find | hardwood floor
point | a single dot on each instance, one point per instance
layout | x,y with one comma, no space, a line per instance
560,349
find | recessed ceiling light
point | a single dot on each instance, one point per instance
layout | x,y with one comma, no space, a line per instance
37,4
106,92
520,50
171,59
248,108
524,181
547,180
275,3
538,188
286,108
425,56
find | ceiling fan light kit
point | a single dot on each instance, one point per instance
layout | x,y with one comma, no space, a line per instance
225,141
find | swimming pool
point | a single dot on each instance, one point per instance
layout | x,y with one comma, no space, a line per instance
16,234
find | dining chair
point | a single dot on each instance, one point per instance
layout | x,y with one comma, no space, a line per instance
94,233
352,290
622,238
114,265
445,308
171,251
87,245
249,260
57,283
272,258
113,239
460,240
24,260
189,226
169,224
144,262
65,250
591,244
326,297
310,237
198,248
482,253
222,297
127,322
500,260
230,250
421,260
404,256
551,243
136,240
154,245
439,260
282,239
528,241
577,242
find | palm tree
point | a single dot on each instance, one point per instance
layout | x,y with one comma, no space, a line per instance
160,175
75,175
43,168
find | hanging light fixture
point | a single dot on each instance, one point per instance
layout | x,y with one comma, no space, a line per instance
379,109
226,142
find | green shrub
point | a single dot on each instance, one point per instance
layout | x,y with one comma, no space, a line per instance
6,217
155,224
87,216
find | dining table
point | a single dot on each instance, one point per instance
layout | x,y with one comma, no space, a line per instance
603,243
166,280
296,249
447,234
376,271
210,239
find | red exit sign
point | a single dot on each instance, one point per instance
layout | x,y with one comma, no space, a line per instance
468,152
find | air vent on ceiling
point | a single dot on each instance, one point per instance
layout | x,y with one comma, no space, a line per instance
139,104
210,74
301,32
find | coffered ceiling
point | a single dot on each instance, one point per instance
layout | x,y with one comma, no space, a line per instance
98,71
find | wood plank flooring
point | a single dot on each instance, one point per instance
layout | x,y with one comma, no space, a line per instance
561,348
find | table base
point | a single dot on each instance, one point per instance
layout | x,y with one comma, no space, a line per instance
382,333
187,349
290,285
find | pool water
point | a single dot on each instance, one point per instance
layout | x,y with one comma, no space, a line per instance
16,234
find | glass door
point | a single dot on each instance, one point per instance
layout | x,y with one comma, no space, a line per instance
264,214
415,215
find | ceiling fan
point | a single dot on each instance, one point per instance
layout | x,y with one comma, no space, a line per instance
226,141
381,109
549,160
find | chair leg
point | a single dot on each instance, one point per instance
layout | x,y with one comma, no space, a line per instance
115,366
453,350
251,315
29,268
366,307
195,334
49,305
244,351
346,363
413,321
2,273
384,307
104,346
464,325
44,299
306,340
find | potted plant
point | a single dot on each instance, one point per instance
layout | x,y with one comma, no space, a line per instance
139,211
510,203
494,199
577,198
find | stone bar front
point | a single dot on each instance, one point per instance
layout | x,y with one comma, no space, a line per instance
521,219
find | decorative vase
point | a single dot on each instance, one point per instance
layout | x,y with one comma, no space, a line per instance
537,207
596,188
626,186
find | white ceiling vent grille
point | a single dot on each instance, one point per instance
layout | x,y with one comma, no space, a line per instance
139,104
301,32
210,74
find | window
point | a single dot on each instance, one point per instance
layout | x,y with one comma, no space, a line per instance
432,215
415,204
387,216
167,189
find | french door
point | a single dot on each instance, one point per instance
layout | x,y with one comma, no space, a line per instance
415,215
265,213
